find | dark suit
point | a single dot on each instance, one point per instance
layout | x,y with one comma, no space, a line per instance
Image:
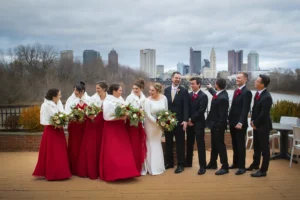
198,108
217,122
239,110
181,108
262,121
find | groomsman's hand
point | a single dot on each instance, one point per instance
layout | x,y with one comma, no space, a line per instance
209,86
239,126
184,125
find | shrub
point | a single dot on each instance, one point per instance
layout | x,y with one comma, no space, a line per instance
30,119
12,122
284,108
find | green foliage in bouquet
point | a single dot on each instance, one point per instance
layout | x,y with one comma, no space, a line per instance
136,116
166,120
92,110
122,110
76,115
59,119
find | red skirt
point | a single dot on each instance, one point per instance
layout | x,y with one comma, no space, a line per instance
76,131
88,160
137,137
116,155
53,162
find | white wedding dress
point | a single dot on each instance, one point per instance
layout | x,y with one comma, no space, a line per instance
154,164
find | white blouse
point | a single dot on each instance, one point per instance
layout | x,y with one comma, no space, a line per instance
73,100
109,106
48,109
135,101
95,99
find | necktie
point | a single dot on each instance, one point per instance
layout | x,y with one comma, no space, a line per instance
173,93
237,92
257,95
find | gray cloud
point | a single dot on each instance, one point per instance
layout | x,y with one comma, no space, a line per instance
170,26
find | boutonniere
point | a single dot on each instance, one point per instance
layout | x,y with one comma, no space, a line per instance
215,96
178,90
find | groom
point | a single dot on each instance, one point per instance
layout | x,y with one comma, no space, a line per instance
178,103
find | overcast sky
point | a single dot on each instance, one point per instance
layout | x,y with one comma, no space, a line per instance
270,27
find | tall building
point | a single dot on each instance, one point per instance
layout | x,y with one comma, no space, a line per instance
148,62
160,69
195,61
245,67
66,55
186,69
113,60
90,57
235,61
213,63
253,61
180,67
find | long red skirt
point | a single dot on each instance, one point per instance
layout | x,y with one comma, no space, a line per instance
88,160
53,162
116,155
137,137
76,131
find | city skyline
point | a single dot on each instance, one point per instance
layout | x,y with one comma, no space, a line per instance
272,31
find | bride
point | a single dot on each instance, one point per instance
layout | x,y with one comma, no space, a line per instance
154,164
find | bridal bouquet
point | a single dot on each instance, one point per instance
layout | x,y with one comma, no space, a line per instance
76,115
122,110
136,116
92,110
59,119
166,120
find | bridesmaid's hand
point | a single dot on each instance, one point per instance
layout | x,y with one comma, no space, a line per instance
123,118
92,117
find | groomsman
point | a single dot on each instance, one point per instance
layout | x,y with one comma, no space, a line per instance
178,103
238,121
217,122
262,125
198,104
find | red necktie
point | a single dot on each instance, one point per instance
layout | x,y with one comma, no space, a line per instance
257,95
237,92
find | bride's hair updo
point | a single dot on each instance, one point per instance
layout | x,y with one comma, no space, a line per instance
157,87
140,83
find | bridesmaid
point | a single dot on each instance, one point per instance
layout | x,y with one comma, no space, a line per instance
80,99
116,156
53,162
88,160
137,134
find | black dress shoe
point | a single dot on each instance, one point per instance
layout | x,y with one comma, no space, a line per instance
212,166
240,171
201,171
179,169
259,174
168,166
252,168
232,167
222,172
188,165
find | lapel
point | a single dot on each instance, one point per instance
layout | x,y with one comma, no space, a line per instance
168,95
242,90
175,93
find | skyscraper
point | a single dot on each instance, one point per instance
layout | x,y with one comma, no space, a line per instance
213,63
235,61
186,69
180,68
253,61
148,62
90,57
195,61
159,70
66,55
113,60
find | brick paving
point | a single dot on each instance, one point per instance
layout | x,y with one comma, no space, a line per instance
17,183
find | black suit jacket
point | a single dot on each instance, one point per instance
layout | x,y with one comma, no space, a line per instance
198,108
261,111
218,113
180,104
240,107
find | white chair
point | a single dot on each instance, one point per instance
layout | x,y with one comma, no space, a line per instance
296,142
249,134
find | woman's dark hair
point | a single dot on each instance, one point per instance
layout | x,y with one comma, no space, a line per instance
113,87
80,87
51,93
103,85
140,83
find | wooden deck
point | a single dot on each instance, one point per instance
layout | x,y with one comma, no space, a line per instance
282,182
